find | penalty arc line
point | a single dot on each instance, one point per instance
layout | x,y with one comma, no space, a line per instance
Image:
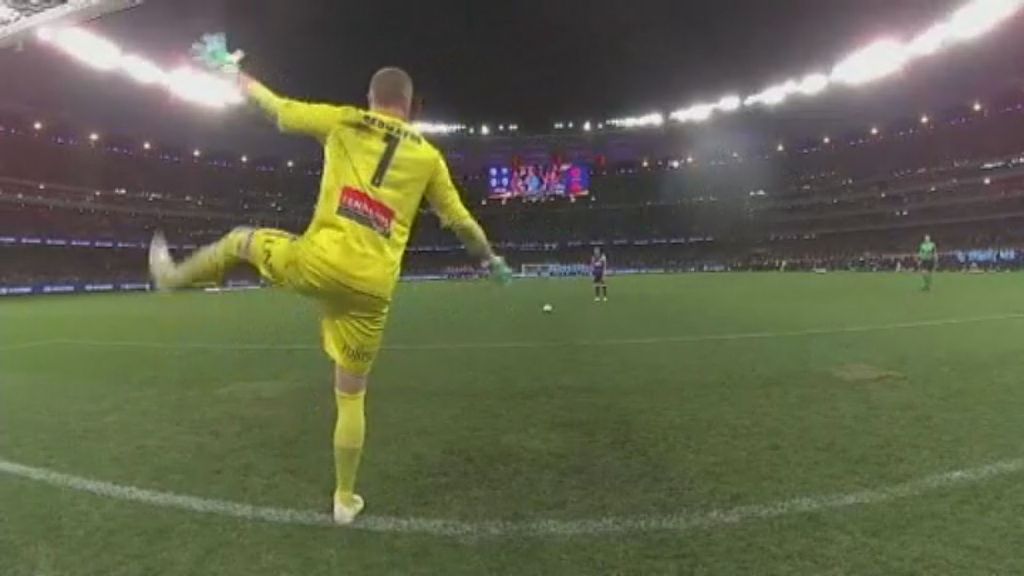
535,344
681,522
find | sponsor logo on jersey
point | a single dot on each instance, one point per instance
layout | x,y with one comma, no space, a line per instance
360,207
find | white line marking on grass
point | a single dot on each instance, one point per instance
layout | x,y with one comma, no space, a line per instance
28,345
533,344
497,529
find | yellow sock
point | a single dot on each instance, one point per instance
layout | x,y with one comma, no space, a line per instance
349,433
211,262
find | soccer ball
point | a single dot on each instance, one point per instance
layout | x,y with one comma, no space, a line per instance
547,309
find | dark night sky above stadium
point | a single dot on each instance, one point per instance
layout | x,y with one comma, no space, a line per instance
528,61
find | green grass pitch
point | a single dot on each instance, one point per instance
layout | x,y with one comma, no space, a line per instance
485,411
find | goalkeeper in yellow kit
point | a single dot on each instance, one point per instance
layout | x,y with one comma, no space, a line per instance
377,168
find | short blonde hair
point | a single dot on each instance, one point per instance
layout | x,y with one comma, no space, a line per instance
391,87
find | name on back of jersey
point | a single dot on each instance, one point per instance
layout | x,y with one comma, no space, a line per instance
391,128
359,207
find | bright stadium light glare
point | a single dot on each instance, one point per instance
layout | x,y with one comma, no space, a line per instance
37,125
438,128
826,140
773,95
245,159
87,48
729,103
873,62
93,137
201,88
886,57
780,148
291,164
925,119
651,120
97,52
587,127
812,84
146,145
874,130
930,41
695,113
977,106
141,70
979,17
485,130
197,153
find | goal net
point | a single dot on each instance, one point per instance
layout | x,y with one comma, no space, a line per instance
18,18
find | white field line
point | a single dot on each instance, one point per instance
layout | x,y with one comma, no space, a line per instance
28,345
534,528
533,344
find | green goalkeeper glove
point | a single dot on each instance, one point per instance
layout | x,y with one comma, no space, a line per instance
499,270
212,52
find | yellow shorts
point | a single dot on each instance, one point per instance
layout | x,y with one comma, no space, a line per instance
352,324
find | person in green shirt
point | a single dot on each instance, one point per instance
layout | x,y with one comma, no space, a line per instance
928,261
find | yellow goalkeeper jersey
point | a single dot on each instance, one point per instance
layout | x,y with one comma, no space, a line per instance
377,169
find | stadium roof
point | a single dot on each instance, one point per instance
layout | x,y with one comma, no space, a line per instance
531,62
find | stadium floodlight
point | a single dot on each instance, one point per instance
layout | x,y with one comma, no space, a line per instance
979,17
925,119
87,48
198,87
884,57
977,106
146,145
291,164
587,127
438,128
695,113
812,84
93,137
37,125
197,153
652,120
780,148
873,62
244,159
729,103
874,130
187,83
930,41
826,140
485,129
141,70
773,95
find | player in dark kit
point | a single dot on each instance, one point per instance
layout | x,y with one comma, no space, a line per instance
598,265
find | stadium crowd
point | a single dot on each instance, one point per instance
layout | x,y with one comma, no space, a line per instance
80,209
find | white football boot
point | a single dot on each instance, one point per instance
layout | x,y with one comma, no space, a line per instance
346,514
161,264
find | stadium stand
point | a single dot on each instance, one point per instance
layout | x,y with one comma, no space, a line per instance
79,209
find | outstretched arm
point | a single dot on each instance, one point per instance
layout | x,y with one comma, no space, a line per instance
292,115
